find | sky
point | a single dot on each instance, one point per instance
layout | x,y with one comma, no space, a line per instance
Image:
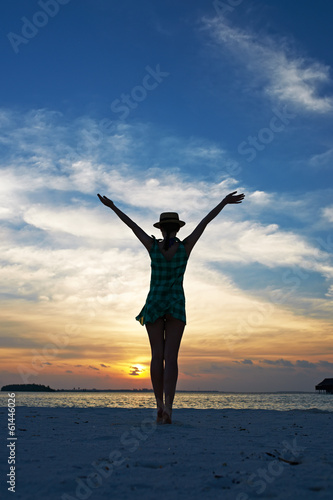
166,106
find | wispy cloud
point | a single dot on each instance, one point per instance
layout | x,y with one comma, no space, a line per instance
276,68
328,213
322,159
289,364
277,362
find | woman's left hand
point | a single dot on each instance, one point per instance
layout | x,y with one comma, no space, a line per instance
233,198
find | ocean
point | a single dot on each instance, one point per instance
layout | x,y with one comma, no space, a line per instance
201,400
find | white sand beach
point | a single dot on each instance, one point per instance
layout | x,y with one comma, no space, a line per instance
104,453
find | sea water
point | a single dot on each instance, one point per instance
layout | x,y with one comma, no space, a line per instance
200,400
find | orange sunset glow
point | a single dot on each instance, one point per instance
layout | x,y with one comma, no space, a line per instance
234,340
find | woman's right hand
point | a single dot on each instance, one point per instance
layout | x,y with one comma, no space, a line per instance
106,201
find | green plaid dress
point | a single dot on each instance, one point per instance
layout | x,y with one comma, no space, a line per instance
166,294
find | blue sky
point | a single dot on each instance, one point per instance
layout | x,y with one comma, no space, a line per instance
167,106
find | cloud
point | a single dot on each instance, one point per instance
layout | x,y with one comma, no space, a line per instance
18,341
300,363
326,364
278,362
247,362
246,242
283,74
135,371
75,220
328,213
322,159
260,198
305,364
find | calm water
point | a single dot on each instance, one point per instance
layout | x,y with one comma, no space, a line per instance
199,400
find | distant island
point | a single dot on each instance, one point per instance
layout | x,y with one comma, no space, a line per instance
27,387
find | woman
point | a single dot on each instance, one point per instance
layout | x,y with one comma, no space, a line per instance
164,311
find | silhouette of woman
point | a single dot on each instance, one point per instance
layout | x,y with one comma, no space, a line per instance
164,311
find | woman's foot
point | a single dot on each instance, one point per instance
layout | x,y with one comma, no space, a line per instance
166,417
159,419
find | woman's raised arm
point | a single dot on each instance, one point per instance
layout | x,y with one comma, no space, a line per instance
146,240
191,240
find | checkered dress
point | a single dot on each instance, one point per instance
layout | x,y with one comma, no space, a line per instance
166,294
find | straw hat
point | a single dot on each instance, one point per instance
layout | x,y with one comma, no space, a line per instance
166,217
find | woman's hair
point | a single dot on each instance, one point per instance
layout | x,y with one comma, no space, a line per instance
168,227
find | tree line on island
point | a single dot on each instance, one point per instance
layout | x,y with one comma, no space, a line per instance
27,387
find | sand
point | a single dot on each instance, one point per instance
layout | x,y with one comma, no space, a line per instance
105,453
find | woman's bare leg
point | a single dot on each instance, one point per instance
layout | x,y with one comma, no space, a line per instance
156,338
174,329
